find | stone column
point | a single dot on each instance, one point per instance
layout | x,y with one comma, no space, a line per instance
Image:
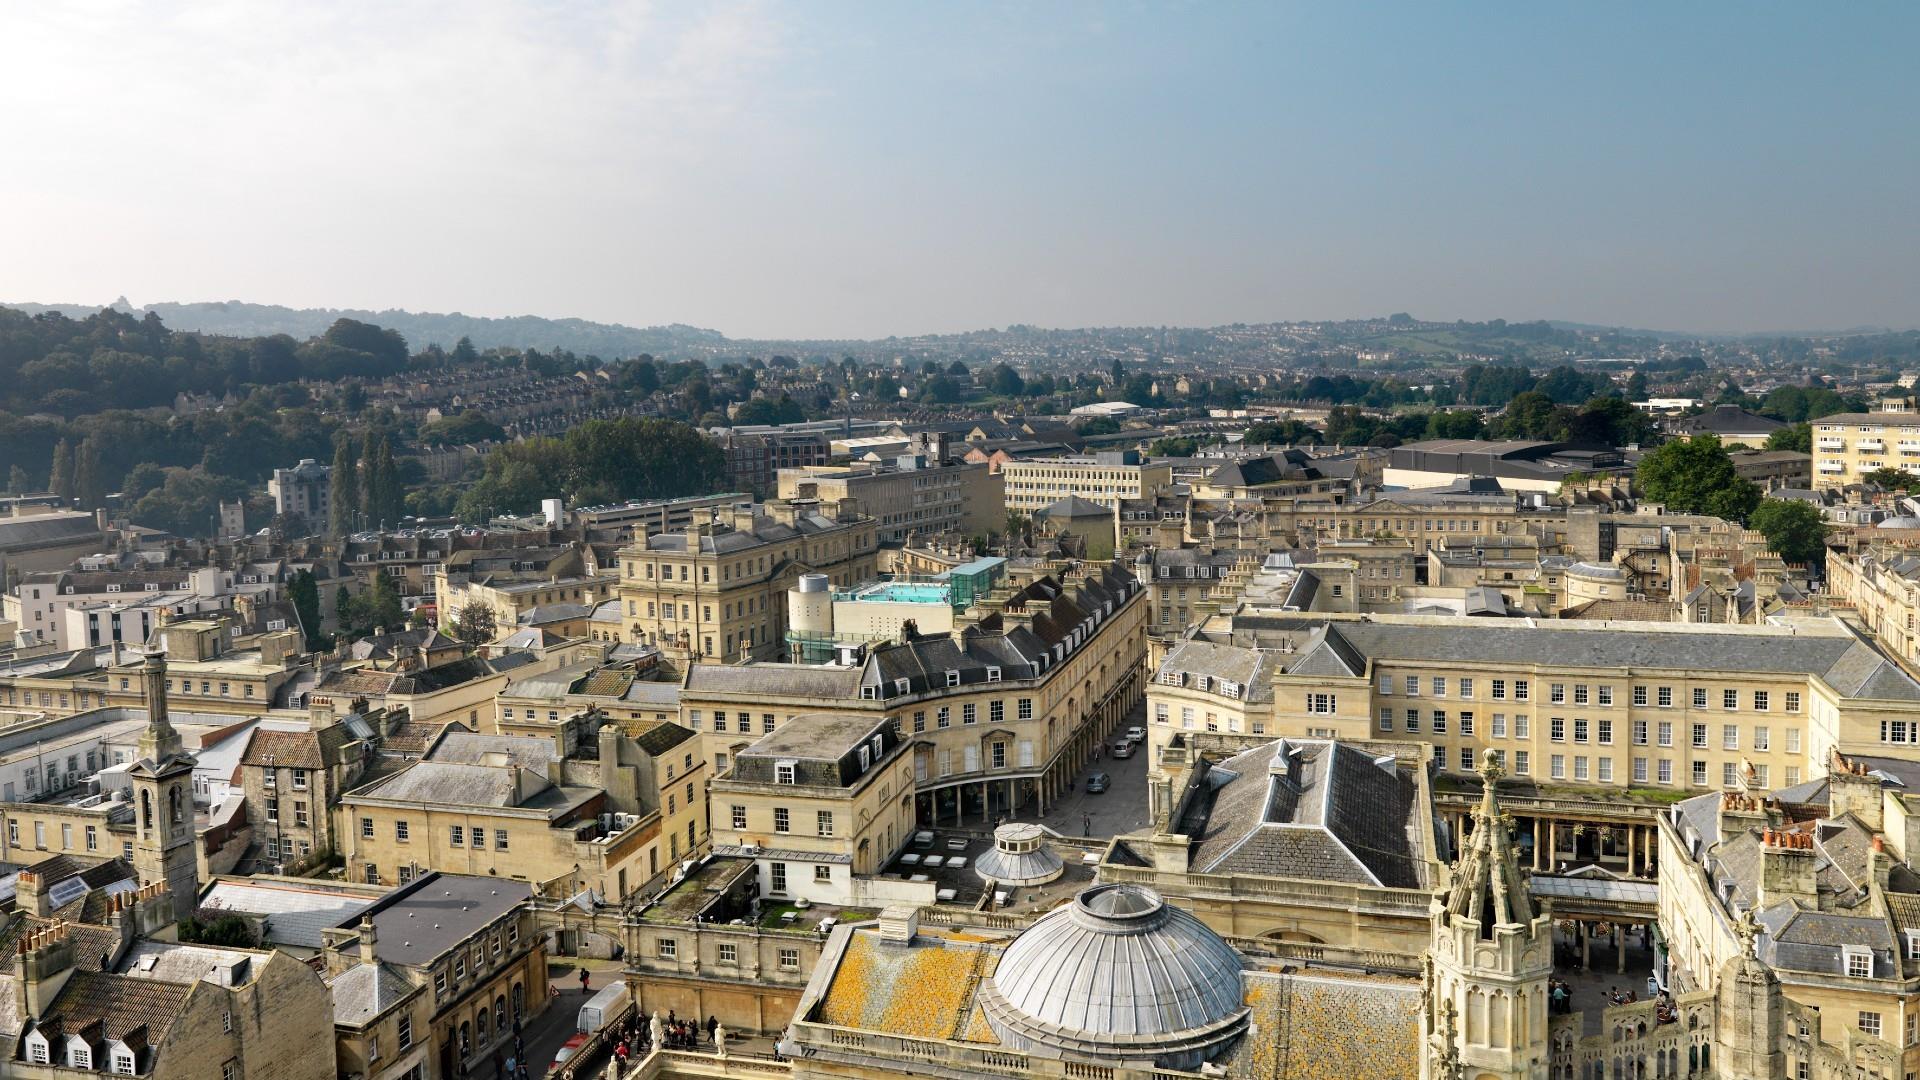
1619,949
1586,945
1633,835
1539,841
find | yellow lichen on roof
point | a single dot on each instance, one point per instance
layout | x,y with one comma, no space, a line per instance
1307,1027
925,991
979,1031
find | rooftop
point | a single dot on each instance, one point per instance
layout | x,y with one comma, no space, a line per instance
417,923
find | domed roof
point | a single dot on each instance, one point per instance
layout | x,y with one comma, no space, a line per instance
1118,973
1019,856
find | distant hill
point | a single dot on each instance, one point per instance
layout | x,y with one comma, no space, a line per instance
233,318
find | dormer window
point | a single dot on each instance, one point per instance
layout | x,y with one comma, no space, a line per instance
1859,961
783,772
903,686
953,678
993,674
1205,683
869,693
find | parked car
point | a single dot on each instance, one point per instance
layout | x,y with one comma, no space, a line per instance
1123,748
1136,734
1098,782
568,1049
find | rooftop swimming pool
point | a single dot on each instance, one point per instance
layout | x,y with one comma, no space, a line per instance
899,592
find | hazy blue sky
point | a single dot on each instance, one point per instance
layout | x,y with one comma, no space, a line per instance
834,169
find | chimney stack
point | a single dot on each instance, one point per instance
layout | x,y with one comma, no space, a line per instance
367,938
1787,868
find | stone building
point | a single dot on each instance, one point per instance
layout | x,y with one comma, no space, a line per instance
431,978
820,806
716,592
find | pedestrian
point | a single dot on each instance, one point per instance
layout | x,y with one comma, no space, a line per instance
499,1066
712,1023
583,978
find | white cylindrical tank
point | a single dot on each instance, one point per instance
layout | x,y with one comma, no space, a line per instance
810,605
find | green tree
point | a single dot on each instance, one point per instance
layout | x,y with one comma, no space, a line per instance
141,479
304,592
1006,382
342,607
62,481
1892,479
1637,385
344,488
471,426
1795,530
1695,476
17,482
1281,433
89,486
1795,437
474,625
464,352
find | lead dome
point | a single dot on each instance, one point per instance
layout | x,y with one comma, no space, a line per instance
1118,974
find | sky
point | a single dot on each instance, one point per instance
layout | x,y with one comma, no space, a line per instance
831,170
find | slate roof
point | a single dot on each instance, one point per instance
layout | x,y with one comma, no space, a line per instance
1850,665
365,992
416,923
774,680
295,915
1250,668
438,782
1729,420
469,748
1336,815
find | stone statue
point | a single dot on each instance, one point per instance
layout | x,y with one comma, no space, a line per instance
720,1039
1749,931
657,1030
1451,1068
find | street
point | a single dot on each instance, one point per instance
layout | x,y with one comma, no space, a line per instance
1121,808
544,1034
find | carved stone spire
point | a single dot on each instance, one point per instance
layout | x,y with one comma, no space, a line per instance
159,741
1488,886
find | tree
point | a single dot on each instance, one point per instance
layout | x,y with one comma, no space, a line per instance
342,607
1795,530
304,592
1637,385
1006,382
89,486
1280,433
464,352
471,426
140,480
474,625
344,488
1119,372
1695,476
1797,438
62,479
377,609
1892,479
17,482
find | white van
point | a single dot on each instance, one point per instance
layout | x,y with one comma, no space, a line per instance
610,1002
